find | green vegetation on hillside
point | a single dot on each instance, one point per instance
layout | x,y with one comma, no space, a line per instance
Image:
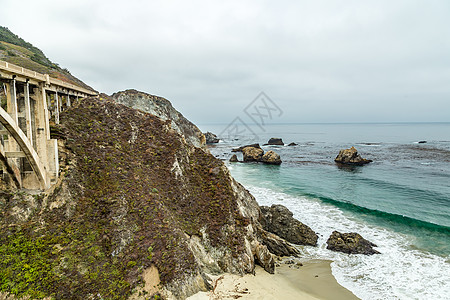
36,54
15,50
119,209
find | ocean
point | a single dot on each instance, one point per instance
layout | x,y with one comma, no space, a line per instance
400,201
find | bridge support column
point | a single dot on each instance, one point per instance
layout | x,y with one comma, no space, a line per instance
28,112
57,106
42,126
46,147
12,101
13,147
29,178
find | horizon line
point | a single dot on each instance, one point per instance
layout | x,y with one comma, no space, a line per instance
333,123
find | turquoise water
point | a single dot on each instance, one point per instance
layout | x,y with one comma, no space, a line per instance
401,201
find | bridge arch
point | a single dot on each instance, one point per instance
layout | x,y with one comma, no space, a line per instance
29,154
27,148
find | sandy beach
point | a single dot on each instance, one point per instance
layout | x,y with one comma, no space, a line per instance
313,280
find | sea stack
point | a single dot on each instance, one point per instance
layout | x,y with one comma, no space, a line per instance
211,138
351,157
275,141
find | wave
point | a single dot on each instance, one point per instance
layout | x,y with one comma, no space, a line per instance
401,271
390,217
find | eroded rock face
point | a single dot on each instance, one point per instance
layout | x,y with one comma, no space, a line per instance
351,157
211,138
252,154
351,243
275,141
163,109
271,157
264,258
279,220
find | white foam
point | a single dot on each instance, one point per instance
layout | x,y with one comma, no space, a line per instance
400,272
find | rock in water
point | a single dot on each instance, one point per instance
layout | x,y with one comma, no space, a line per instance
278,219
275,141
351,243
234,158
292,144
211,138
242,147
351,157
271,157
252,154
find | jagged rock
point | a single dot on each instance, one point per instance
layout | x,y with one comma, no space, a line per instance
264,258
352,243
211,138
351,157
234,158
271,157
275,141
276,245
163,109
278,219
252,154
242,147
292,144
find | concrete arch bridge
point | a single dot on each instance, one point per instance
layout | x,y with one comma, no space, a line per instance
29,157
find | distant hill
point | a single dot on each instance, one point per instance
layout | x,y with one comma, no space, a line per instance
15,50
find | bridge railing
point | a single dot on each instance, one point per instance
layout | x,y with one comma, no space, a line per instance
12,68
21,71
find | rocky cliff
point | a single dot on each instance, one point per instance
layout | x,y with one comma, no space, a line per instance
163,109
138,211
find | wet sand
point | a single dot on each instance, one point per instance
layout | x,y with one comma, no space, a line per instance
313,280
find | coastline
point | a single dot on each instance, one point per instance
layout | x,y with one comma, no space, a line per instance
312,281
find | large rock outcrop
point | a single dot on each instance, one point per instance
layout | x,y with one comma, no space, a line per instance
351,243
135,205
254,153
211,138
163,109
279,219
351,157
251,154
271,158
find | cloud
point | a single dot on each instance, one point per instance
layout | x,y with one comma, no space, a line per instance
322,61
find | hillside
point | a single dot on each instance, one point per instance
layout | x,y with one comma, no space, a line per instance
137,211
141,209
14,49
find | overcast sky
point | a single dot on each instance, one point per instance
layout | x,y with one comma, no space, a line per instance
319,61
